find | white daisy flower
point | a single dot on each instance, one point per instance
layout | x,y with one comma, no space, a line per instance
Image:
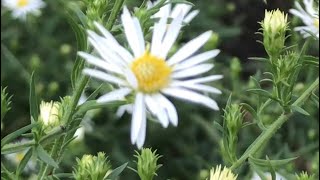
20,8
168,11
309,16
147,74
268,176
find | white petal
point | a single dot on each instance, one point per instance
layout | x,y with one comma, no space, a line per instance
197,59
170,109
158,34
116,95
131,78
132,32
180,8
171,36
191,96
156,109
204,79
194,71
138,116
119,50
100,63
142,133
106,33
122,109
105,49
104,76
139,35
190,48
191,16
199,87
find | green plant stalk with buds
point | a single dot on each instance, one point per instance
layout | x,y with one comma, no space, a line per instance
60,144
285,69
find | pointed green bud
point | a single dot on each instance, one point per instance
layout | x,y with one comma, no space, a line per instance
147,164
5,103
305,176
233,119
274,25
92,167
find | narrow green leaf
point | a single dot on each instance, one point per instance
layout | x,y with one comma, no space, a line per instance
24,161
95,93
180,2
254,114
260,92
300,110
73,7
116,172
33,100
114,13
218,127
45,157
89,105
259,59
274,163
16,147
256,82
81,45
10,137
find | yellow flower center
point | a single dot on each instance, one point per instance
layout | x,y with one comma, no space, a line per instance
22,3
316,23
151,72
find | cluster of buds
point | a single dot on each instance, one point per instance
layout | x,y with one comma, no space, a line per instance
274,28
233,120
284,74
147,164
92,167
96,11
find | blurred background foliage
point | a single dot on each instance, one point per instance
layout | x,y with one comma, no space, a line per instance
47,45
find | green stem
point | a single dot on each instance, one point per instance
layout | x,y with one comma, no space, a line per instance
272,129
307,93
56,149
113,16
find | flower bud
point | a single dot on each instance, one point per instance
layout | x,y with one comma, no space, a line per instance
222,174
274,28
233,118
305,176
5,103
147,164
49,115
92,167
